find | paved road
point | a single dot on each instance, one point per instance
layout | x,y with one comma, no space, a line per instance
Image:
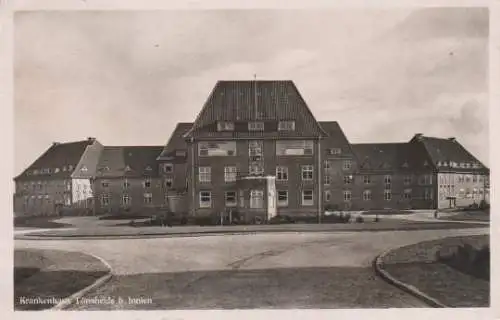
302,270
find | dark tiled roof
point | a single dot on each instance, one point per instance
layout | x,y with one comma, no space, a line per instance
87,166
56,158
255,101
447,150
391,157
335,137
176,141
141,160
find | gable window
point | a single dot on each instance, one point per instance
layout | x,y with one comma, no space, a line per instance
282,198
286,125
387,179
225,126
147,183
168,167
328,195
367,179
327,180
256,126
367,195
307,198
230,198
281,173
407,194
256,199
347,165
387,195
56,170
347,195
205,174
229,174
348,179
126,200
334,151
205,199
84,169
407,180
148,198
307,172
148,168
105,200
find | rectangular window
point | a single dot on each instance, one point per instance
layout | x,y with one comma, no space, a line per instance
225,126
367,195
230,197
205,174
286,125
105,200
282,198
328,195
348,179
347,165
387,179
255,149
367,179
126,184
105,184
256,168
347,195
334,151
168,183
294,147
387,195
147,183
256,126
428,194
205,199
307,172
407,180
407,194
256,199
327,165
148,198
474,178
168,168
467,178
307,198
327,180
229,174
281,174
217,148
126,200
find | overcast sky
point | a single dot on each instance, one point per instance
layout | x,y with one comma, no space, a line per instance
126,78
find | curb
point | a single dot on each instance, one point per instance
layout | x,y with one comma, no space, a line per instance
27,236
66,302
379,270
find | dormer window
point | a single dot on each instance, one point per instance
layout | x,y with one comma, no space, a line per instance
35,172
127,168
405,164
334,151
445,164
426,163
256,126
84,169
225,126
439,163
70,168
286,126
180,153
56,170
148,168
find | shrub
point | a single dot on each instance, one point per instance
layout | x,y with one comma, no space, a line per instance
360,219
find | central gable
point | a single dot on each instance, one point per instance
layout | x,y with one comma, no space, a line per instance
269,102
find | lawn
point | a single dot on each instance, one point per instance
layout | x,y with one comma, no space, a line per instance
383,225
417,265
51,274
469,216
38,222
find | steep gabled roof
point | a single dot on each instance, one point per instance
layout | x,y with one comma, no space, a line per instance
61,159
243,101
128,161
336,137
87,167
391,157
448,150
176,141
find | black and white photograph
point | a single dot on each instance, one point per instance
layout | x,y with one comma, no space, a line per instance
243,159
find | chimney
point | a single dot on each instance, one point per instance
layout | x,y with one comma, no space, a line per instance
55,143
90,139
452,139
418,136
